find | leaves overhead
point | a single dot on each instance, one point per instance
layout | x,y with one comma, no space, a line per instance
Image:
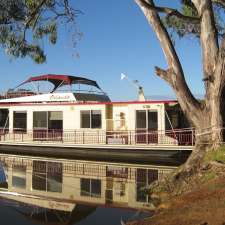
24,23
187,27
181,27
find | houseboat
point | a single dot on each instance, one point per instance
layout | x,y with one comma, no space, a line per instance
76,111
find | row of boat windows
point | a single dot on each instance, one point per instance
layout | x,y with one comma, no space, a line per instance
54,119
145,119
48,177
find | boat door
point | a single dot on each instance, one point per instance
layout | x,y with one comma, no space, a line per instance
146,126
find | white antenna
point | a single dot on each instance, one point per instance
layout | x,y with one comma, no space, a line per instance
141,96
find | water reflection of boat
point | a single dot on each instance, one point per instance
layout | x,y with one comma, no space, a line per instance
48,216
63,185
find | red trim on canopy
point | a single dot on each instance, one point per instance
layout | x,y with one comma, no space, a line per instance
51,77
59,80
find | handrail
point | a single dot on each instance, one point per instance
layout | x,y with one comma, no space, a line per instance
98,136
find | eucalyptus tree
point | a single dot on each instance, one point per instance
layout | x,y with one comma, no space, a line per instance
25,23
203,19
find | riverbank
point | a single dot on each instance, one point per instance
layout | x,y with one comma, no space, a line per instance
203,203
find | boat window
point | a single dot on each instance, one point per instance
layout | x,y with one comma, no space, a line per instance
19,120
19,176
96,119
4,118
152,120
48,120
40,119
85,119
47,176
90,187
141,119
55,115
146,119
55,120
91,119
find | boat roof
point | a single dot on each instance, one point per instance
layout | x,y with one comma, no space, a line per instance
60,80
24,103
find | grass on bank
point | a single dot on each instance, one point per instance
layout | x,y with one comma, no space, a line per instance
217,155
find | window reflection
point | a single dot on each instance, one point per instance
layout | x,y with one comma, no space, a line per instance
3,175
19,176
47,176
90,187
144,177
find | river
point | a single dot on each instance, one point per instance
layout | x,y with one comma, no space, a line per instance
40,190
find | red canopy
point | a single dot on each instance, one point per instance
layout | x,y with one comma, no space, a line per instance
59,80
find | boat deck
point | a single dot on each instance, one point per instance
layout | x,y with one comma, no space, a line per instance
145,147
101,146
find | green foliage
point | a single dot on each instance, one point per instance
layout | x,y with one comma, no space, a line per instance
47,29
181,27
25,23
218,155
184,28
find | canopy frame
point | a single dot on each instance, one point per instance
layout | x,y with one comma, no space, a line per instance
61,80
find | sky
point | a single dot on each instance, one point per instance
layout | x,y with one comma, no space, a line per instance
116,39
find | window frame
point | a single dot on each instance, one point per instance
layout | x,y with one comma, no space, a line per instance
48,120
146,112
45,173
91,115
16,128
90,182
144,177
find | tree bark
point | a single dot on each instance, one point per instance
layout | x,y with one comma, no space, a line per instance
206,116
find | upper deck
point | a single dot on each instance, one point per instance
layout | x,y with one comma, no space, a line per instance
56,94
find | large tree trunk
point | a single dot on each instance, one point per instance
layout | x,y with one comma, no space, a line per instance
209,127
206,116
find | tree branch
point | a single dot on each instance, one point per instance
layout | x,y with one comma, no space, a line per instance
31,17
174,75
170,12
164,74
219,3
34,12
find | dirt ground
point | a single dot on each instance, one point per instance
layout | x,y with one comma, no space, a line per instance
203,206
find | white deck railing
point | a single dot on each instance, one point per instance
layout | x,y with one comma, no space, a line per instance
184,137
